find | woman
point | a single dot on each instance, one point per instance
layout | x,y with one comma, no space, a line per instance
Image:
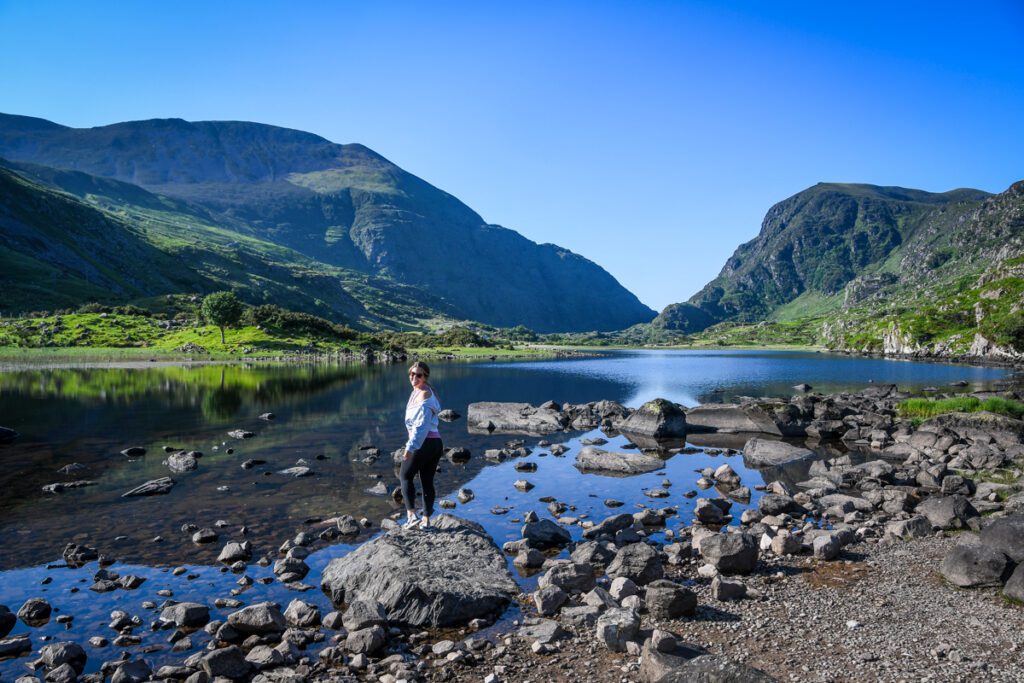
423,449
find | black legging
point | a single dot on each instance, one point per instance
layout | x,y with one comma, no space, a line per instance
423,462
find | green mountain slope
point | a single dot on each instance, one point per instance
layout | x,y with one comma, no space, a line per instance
115,242
341,205
875,269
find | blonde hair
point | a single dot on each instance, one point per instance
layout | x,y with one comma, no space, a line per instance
420,366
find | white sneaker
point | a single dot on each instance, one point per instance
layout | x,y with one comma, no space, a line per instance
412,522
425,523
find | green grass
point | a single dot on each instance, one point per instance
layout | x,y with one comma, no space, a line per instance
924,408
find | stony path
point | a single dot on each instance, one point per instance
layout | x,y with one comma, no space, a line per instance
883,614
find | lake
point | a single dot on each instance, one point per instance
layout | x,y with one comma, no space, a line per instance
326,415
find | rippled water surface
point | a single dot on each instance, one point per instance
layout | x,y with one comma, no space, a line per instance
324,414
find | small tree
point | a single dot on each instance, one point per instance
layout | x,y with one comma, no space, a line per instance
222,309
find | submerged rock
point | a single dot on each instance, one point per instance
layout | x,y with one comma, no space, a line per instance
445,577
153,487
592,459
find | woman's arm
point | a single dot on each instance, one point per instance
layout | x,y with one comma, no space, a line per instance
418,428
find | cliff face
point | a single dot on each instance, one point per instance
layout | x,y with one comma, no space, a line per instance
342,205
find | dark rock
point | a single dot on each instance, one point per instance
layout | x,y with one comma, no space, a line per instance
204,535
186,615
448,415
446,577
152,487
458,454
593,553
64,653
65,673
77,555
974,565
35,612
228,662
948,512
302,614
15,646
668,600
549,600
1014,588
731,419
7,435
616,627
7,621
366,641
348,526
592,459
544,534
362,614
132,671
727,590
569,576
638,562
133,452
730,553
609,526
659,419
1007,536
774,504
234,551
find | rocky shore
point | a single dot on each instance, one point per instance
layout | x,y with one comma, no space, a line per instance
898,555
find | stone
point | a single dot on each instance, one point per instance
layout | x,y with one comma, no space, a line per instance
917,526
15,646
132,671
774,504
726,476
543,630
1014,588
529,558
228,662
153,487
947,512
638,562
731,418
261,619
348,526
549,600
727,590
64,673
600,598
658,419
714,669
446,577
972,565
730,553
205,535
544,534
1007,536
241,434
569,576
593,459
35,612
234,551
706,512
785,544
77,555
489,416
264,657
583,616
7,621
66,652
296,472
616,627
594,553
609,526
765,452
827,547
302,614
669,600
622,587
186,615
367,641
362,614
182,461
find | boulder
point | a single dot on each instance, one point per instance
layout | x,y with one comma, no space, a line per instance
234,551
730,553
616,627
714,669
132,671
917,526
593,459
572,577
727,590
260,619
35,612
775,504
363,614
668,600
766,452
982,425
228,662
638,562
1014,588
663,654
972,565
302,614
447,577
15,646
7,621
609,526
489,416
544,534
826,547
56,654
366,641
186,615
549,600
731,418
1007,536
182,461
658,419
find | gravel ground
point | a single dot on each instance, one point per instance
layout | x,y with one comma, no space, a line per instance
881,613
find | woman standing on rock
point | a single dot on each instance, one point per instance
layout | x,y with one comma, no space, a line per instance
423,449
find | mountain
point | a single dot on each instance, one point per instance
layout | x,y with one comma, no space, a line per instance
340,205
877,269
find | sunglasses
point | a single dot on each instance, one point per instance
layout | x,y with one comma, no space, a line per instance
416,374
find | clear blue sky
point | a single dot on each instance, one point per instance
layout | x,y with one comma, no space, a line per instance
650,137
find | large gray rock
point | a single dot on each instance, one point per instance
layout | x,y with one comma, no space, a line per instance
446,577
569,576
544,534
35,611
766,452
593,459
64,653
668,600
1007,536
132,671
730,553
714,669
363,614
228,662
260,619
302,614
366,641
186,615
660,656
616,627
732,419
15,646
638,562
1006,431
609,526
659,419
972,565
490,416
233,551
1014,588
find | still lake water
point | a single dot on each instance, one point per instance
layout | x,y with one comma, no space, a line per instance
325,413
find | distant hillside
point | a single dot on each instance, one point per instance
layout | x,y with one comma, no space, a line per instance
340,205
877,269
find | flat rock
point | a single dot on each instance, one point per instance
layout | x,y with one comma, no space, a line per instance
15,646
766,452
947,512
714,669
523,418
593,459
445,577
153,487
731,418
260,619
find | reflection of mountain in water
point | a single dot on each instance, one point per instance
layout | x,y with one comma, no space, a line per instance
89,416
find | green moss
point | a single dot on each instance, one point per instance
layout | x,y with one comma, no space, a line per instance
924,408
